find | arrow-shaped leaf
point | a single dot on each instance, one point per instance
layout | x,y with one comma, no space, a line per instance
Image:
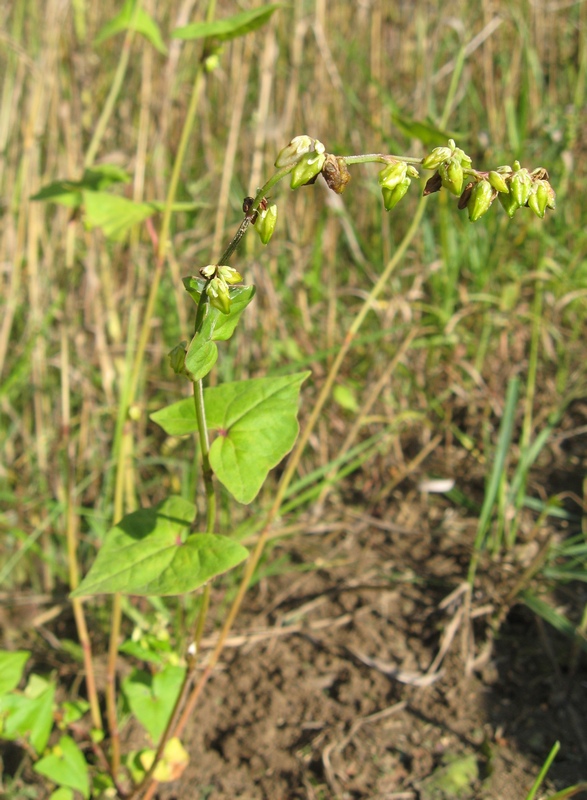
152,697
138,21
69,193
152,552
225,29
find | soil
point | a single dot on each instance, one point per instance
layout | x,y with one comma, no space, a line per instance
368,675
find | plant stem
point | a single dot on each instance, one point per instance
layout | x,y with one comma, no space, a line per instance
294,460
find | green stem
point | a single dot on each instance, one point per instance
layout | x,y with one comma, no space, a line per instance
294,460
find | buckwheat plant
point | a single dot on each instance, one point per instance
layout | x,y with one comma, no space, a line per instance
165,550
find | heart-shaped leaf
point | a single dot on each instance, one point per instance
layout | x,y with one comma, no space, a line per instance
95,179
66,765
257,424
152,552
152,697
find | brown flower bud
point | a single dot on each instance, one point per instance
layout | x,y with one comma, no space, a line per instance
433,184
335,173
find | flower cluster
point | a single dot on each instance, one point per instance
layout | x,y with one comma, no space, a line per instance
515,186
218,278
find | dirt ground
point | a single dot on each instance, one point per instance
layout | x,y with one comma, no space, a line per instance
368,677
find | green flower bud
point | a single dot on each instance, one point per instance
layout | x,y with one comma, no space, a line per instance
209,271
393,174
217,291
482,197
451,175
436,157
266,222
497,180
521,186
509,203
391,197
466,196
307,169
541,197
460,155
412,171
229,275
299,146
177,358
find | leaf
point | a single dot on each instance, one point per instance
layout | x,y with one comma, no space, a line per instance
345,396
115,215
28,717
202,353
62,794
179,418
152,697
221,326
258,424
152,552
69,193
230,28
140,22
11,669
66,766
258,421
200,357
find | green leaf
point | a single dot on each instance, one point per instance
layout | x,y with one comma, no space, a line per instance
559,621
115,215
11,669
201,356
28,717
217,327
62,794
152,697
258,424
152,552
427,133
69,193
220,327
230,28
66,766
140,22
345,396
177,419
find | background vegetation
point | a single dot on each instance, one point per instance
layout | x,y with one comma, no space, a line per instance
471,308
